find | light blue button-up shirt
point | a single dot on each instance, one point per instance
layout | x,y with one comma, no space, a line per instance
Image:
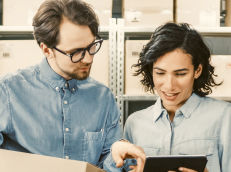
201,126
42,113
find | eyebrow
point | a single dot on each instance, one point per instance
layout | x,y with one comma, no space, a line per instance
178,70
74,49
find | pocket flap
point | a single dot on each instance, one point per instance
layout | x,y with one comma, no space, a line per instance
196,147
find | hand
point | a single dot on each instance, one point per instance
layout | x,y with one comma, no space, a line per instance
188,170
124,149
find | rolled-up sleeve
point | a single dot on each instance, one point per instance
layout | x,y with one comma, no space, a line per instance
5,118
225,141
113,134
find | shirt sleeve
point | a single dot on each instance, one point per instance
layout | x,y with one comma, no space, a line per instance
113,134
4,112
225,140
127,134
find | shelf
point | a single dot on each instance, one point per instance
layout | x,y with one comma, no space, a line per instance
145,32
26,32
139,97
154,98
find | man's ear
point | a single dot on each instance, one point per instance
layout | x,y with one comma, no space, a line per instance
46,51
198,71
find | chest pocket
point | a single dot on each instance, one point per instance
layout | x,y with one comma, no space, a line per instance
196,147
93,145
199,147
151,151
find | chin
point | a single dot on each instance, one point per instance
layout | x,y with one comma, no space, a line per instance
81,77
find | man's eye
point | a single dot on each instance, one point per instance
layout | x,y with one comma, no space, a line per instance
180,74
77,51
160,73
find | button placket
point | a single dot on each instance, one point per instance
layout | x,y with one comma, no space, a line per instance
66,122
57,88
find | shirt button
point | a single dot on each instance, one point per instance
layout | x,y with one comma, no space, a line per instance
66,85
65,102
57,88
66,157
66,129
73,89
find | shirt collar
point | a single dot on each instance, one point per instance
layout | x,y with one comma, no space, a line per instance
190,105
55,80
158,109
187,109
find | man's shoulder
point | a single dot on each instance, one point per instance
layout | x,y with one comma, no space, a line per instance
96,84
141,114
215,104
18,75
214,100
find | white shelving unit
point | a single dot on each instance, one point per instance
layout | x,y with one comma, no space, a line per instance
117,33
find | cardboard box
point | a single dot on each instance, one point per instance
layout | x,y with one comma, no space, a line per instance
204,13
132,83
147,12
222,64
11,161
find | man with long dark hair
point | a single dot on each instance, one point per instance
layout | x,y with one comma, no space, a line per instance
175,64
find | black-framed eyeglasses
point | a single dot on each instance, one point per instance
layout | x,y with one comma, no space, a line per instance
79,53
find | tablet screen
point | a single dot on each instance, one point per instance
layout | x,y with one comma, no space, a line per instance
173,162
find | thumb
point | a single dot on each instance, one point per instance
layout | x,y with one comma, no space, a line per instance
119,162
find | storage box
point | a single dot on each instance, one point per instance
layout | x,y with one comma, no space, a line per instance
16,13
133,85
15,54
204,13
222,64
26,9
100,66
147,12
103,9
11,161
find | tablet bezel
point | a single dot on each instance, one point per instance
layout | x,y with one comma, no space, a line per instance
173,162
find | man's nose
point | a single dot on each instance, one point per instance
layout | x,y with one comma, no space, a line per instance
169,83
87,58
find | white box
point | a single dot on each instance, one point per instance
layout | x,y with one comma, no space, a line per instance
103,9
133,85
100,66
202,13
11,161
22,12
222,64
18,54
147,12
19,13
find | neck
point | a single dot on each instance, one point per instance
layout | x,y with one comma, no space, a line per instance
56,69
171,115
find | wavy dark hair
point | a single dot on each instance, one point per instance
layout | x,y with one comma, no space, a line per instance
47,20
167,38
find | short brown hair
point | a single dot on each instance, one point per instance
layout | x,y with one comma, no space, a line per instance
47,20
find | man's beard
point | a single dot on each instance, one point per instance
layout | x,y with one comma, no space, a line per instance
84,75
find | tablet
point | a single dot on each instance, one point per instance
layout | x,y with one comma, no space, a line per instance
173,162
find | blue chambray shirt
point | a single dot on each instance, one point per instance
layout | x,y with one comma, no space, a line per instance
42,113
201,126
